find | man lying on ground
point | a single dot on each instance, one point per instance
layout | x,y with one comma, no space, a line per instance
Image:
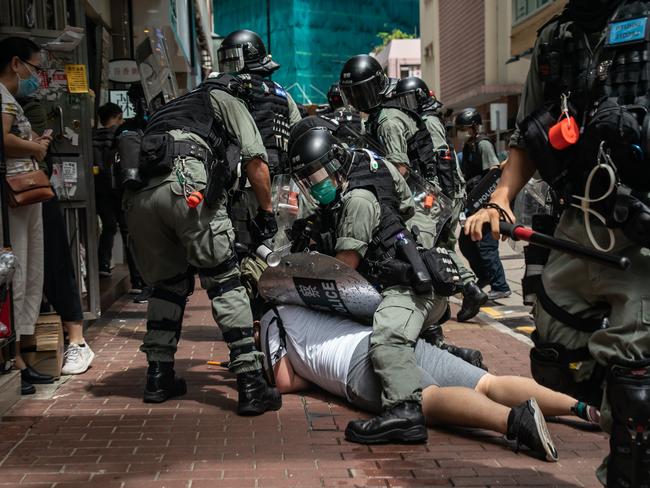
305,346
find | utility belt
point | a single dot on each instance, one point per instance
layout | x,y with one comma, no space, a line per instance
403,263
553,364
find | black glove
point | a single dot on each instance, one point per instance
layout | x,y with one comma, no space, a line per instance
263,226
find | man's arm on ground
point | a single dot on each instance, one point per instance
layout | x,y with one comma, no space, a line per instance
286,378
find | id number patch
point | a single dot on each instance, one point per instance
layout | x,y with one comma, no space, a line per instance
627,31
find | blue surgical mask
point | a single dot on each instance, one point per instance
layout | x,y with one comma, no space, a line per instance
28,86
324,192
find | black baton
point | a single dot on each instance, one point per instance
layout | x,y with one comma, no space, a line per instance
521,233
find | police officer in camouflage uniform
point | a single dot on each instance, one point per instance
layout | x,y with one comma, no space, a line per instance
363,204
413,93
479,157
345,116
589,65
242,53
406,142
179,227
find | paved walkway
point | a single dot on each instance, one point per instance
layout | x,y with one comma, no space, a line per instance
95,431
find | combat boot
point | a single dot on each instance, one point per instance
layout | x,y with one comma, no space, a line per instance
473,299
403,423
162,383
255,395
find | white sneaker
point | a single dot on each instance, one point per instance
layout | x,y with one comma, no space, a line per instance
77,359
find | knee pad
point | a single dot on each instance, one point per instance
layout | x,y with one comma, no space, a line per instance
553,365
166,324
628,393
222,288
240,341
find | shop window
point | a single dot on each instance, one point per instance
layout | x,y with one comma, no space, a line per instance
525,8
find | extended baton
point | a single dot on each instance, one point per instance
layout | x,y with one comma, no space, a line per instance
518,232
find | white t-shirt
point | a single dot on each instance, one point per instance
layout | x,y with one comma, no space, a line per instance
21,128
319,345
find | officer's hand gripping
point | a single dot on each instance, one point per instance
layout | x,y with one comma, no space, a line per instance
263,226
492,215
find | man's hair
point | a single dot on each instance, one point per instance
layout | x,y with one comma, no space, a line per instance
16,46
108,111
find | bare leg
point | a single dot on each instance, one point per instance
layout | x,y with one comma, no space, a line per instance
75,332
20,363
513,390
465,407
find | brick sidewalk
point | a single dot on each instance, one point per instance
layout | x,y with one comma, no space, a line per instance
96,429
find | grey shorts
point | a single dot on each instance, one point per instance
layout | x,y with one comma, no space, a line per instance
437,367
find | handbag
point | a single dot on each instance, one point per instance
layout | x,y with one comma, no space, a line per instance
28,188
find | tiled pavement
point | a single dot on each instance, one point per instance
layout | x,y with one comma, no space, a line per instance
95,431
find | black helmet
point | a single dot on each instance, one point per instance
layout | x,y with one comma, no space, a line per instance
308,123
334,97
412,92
363,83
243,51
317,162
469,117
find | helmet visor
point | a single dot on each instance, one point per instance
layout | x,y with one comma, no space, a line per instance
231,59
311,177
364,95
408,100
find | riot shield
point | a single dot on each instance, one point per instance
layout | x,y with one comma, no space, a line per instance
433,209
322,282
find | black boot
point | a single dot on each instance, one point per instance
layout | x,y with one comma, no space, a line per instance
526,426
469,355
473,299
26,388
433,335
404,424
30,375
162,383
255,395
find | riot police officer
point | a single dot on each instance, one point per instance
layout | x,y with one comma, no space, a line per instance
406,141
346,116
413,93
583,105
363,205
243,54
479,157
179,227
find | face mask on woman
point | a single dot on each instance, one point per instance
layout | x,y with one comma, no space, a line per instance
29,85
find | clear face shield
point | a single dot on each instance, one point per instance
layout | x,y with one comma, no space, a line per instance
320,179
231,59
364,95
408,100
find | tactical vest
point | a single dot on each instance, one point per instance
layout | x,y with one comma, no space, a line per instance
380,183
472,164
446,164
609,98
268,104
193,113
420,150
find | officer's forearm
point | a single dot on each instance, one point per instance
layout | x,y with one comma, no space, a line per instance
517,170
258,174
351,258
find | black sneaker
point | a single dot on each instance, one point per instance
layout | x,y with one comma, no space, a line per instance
105,272
498,295
402,424
143,296
526,426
